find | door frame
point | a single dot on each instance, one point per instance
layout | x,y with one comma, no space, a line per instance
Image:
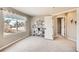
62,29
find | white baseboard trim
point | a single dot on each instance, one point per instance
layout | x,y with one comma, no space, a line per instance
12,43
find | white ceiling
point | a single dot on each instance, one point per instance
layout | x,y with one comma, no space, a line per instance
39,11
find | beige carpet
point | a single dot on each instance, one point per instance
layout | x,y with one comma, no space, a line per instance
38,44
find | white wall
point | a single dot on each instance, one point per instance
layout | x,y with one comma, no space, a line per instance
49,27
71,27
77,29
1,29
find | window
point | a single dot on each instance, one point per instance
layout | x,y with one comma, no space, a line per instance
21,25
13,23
9,26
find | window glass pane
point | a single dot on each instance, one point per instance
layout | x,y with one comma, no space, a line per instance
9,26
13,23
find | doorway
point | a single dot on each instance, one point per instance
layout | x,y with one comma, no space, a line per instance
61,26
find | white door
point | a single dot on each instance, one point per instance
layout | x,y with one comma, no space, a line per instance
62,27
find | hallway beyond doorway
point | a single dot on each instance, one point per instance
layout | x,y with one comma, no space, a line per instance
61,26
